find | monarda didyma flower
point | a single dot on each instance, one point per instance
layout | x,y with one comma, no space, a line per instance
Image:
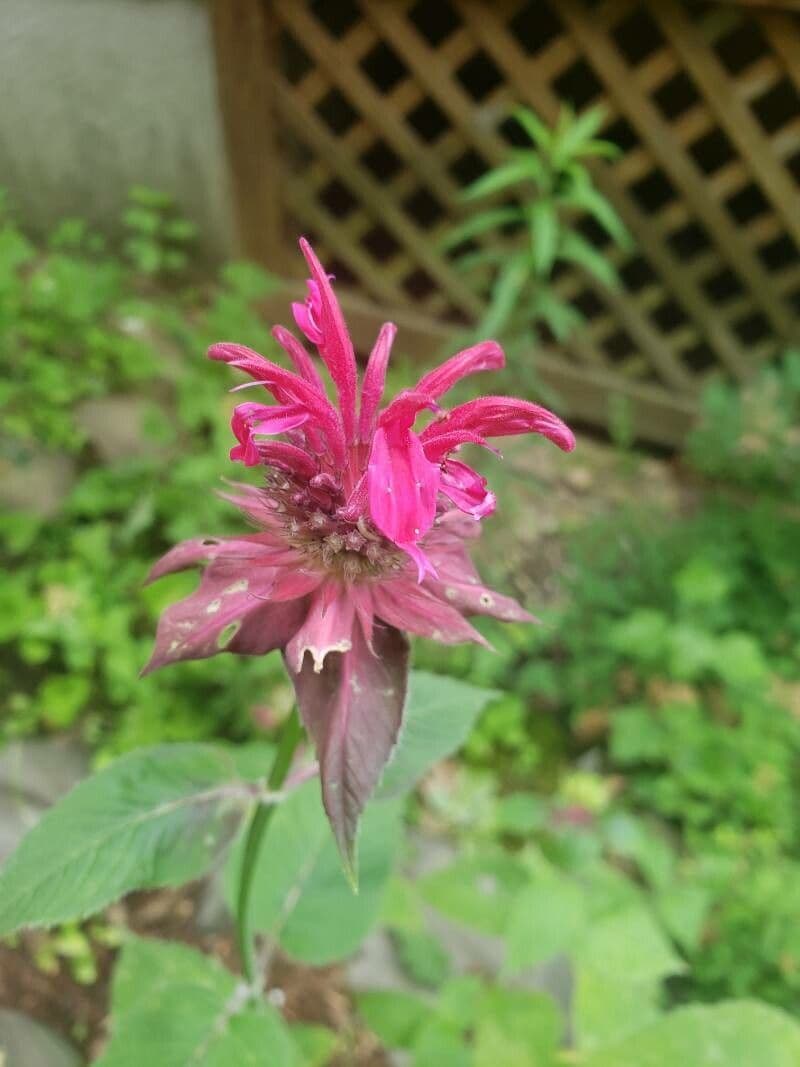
362,523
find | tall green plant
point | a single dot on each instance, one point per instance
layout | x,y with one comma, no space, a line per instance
528,227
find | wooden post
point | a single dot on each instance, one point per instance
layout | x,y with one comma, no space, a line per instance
243,40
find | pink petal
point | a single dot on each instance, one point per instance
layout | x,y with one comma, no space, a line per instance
305,315
288,458
467,489
205,549
402,486
250,419
488,355
336,348
327,628
413,608
502,416
206,622
374,381
303,363
287,387
437,447
476,599
353,711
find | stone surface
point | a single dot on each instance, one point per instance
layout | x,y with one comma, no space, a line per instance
103,95
25,1043
115,426
33,775
38,485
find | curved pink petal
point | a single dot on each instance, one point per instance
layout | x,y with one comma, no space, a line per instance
303,362
374,382
487,355
327,628
412,607
402,486
249,420
289,458
353,711
205,549
467,489
437,447
336,348
287,387
477,599
307,315
502,416
206,622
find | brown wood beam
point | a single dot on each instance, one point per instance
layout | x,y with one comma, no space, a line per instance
243,52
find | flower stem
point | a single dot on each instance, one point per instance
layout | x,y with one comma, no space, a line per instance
291,733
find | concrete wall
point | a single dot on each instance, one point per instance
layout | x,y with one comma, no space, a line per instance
101,94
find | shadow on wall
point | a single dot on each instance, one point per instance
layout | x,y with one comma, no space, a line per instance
100,96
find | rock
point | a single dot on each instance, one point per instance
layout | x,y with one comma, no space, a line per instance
38,485
115,426
25,1043
33,775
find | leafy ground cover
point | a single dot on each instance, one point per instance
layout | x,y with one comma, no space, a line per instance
627,801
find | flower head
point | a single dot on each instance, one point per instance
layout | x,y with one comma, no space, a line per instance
362,528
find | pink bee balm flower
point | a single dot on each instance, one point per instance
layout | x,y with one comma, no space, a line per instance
362,528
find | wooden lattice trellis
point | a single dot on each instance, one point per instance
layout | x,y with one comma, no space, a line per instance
365,119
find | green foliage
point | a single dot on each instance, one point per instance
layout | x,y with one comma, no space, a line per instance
155,817
750,437
157,237
76,624
172,1006
544,190
301,899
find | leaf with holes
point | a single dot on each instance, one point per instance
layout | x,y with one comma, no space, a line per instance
156,817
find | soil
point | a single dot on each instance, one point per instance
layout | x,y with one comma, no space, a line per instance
80,1012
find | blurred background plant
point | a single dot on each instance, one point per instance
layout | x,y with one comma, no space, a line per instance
530,226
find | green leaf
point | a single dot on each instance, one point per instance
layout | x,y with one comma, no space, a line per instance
628,943
537,130
587,198
476,891
439,716
577,249
315,1044
524,167
421,957
506,291
394,1016
160,816
575,132
731,1034
561,317
517,1029
683,909
608,1006
173,1007
478,224
300,895
544,228
546,918
441,1044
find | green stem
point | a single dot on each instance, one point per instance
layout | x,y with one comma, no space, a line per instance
291,733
